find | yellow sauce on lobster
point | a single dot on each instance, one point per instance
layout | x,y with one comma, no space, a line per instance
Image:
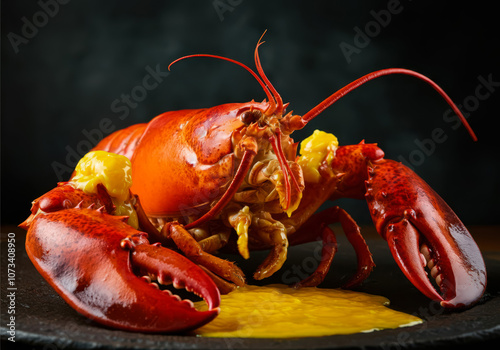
278,311
115,173
314,150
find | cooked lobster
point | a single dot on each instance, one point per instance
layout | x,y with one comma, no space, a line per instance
228,177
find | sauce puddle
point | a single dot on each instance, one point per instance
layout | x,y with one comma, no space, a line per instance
278,311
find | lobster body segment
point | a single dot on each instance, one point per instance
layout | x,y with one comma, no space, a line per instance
198,172
204,163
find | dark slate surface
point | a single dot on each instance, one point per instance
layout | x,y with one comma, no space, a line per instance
44,320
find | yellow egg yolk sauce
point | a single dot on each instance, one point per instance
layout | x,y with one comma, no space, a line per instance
315,149
278,311
115,173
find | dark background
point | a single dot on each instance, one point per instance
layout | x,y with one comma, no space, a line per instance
86,54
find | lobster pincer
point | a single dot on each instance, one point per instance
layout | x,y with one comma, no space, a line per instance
107,270
420,228
423,231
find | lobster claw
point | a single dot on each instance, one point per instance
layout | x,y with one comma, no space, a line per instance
421,229
94,261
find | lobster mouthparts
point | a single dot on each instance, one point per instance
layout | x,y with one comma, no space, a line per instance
95,261
422,230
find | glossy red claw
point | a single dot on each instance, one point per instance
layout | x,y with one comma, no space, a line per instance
104,269
422,231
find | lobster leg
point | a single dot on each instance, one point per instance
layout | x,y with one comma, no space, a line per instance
188,245
273,233
216,241
224,286
413,218
328,251
95,260
309,232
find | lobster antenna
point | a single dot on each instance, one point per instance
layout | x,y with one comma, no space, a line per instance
358,82
279,101
259,80
275,140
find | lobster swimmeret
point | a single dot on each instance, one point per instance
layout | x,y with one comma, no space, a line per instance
229,177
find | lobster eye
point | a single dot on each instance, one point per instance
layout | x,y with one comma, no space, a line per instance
250,117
